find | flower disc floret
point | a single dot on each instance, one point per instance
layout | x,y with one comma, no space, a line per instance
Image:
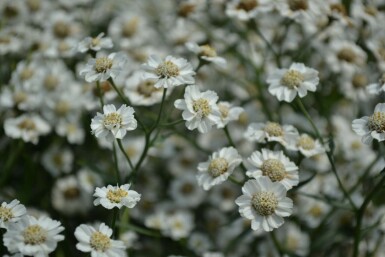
5,214
292,79
116,195
208,51
100,242
274,169
34,235
218,166
297,5
27,124
247,5
202,107
112,120
273,129
103,64
347,55
306,142
264,203
167,69
376,122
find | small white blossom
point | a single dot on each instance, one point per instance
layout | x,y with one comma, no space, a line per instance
11,213
373,126
95,44
206,53
116,196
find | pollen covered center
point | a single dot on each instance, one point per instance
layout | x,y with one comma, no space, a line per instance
347,55
292,79
202,107
5,214
34,235
103,64
146,88
274,169
218,166
100,242
247,5
224,110
116,195
167,69
264,203
377,122
306,142
112,120
273,129
297,5
208,51
27,124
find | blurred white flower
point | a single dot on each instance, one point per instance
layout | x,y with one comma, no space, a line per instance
307,145
116,196
228,113
11,213
95,44
206,53
373,126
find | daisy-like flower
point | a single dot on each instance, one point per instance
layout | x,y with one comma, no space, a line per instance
168,72
27,127
285,84
248,9
275,165
98,241
113,123
271,132
228,113
373,126
33,237
116,196
199,109
11,213
218,168
307,145
95,44
376,88
264,203
206,53
103,67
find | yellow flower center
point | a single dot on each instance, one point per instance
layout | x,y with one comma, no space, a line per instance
338,7
218,166
347,55
34,235
264,203
187,189
146,88
297,5
130,27
95,41
50,82
224,110
27,124
167,69
202,107
359,81
34,5
274,169
19,97
5,214
116,195
306,142
103,64
100,242
71,193
273,129
377,122
113,119
247,5
61,29
292,79
185,9
315,211
62,108
26,74
207,50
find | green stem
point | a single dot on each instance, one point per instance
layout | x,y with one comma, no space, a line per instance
361,212
231,142
115,215
116,164
125,154
6,170
171,123
276,243
100,94
330,157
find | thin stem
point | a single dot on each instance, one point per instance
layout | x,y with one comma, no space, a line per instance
231,142
276,243
117,173
6,170
329,155
115,215
125,154
171,123
99,93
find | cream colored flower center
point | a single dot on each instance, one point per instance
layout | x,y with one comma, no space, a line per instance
71,193
264,203
207,50
315,211
306,142
113,119
377,122
100,242
63,47
19,97
274,169
273,129
34,5
224,110
359,81
146,88
292,243
27,124
297,5
62,108
116,195
356,145
247,5
34,235
27,73
61,29
103,64
338,7
95,41
347,55
167,69
5,213
130,27
50,82
218,166
202,107
185,9
292,79
187,189
5,40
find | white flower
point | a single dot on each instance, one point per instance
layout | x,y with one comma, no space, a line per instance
248,9
228,113
285,84
218,168
99,241
206,53
376,88
33,237
264,203
179,225
199,109
95,44
307,145
168,72
373,126
186,192
27,127
275,165
115,196
102,68
11,213
114,123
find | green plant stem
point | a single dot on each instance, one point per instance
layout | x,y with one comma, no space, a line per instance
100,94
125,154
361,212
231,142
6,170
276,243
117,173
330,157
115,215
